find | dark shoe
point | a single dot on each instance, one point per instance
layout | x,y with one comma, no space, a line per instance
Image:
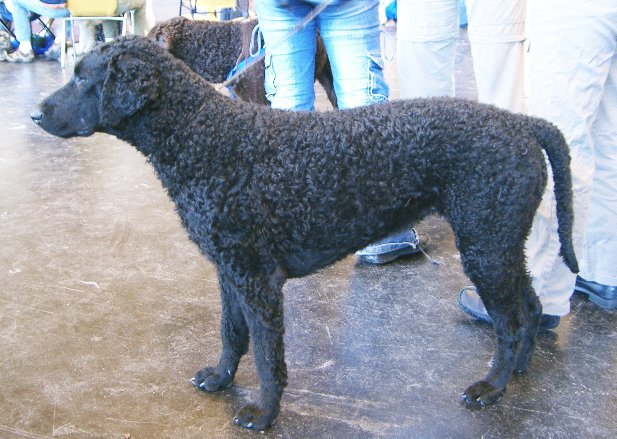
603,295
470,302
393,247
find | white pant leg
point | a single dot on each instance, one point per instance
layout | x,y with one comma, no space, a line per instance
87,34
142,25
496,36
426,35
570,56
599,258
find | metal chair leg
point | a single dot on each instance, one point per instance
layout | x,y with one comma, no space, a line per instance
63,43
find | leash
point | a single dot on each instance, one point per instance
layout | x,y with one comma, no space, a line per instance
255,50
300,25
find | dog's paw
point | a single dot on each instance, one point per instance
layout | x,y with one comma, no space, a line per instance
482,393
211,379
255,418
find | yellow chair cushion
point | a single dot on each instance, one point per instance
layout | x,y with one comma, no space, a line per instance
213,5
86,8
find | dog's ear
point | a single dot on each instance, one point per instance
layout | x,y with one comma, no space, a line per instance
130,85
166,33
161,35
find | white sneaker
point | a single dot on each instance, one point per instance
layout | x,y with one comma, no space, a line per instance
20,57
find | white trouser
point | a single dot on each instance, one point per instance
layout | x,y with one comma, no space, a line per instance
573,83
144,21
427,31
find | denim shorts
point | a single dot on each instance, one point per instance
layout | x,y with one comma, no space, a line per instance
351,33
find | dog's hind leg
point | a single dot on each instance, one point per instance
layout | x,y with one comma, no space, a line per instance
235,337
263,310
500,288
534,310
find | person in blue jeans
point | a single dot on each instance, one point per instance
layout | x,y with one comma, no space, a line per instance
21,9
350,31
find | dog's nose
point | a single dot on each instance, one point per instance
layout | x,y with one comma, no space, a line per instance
36,116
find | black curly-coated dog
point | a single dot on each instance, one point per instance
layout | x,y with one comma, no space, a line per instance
269,194
212,48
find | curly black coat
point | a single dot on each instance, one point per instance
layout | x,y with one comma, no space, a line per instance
212,49
269,194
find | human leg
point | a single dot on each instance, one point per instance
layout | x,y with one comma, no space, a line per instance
598,278
21,9
426,44
570,57
351,35
141,14
87,34
290,59
600,256
21,20
496,35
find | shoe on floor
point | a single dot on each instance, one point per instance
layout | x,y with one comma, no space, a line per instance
53,52
5,41
470,302
20,57
603,295
393,247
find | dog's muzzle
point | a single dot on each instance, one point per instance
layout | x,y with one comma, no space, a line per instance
36,116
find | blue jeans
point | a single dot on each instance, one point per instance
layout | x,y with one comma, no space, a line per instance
350,31
21,15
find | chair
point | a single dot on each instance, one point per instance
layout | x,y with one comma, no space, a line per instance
82,10
205,7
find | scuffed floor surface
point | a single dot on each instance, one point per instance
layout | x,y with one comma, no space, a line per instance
107,310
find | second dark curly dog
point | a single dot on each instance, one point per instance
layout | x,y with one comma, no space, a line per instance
268,195
212,48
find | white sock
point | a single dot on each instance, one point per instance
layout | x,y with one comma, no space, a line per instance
25,47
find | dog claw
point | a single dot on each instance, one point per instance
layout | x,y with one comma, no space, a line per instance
482,394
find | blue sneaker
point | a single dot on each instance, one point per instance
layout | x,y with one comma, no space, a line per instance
603,295
470,302
393,247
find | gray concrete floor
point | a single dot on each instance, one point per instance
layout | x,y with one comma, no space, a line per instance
107,310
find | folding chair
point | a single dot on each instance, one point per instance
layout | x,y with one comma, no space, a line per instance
82,10
218,8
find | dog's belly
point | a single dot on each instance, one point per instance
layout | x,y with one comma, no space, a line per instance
304,262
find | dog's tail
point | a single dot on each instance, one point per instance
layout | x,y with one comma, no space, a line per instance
557,151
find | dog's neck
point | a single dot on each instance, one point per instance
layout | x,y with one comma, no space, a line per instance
197,135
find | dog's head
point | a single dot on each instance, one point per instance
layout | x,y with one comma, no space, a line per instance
110,84
167,32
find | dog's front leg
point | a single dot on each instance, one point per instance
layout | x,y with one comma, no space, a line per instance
263,309
235,337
